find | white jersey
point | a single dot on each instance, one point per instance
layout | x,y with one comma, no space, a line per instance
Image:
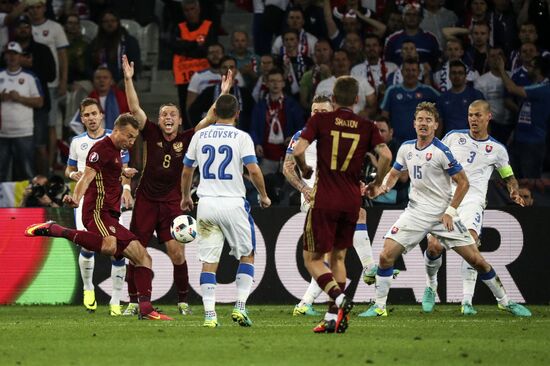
220,151
52,35
478,158
430,171
311,155
326,87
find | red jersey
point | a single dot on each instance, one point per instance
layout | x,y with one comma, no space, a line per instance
163,163
103,193
343,139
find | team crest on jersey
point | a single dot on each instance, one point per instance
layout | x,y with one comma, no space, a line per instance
84,146
399,96
93,157
178,146
159,144
394,230
45,32
418,95
112,228
488,148
428,156
409,155
21,81
461,141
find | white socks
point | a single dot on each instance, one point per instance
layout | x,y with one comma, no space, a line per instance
313,291
469,277
361,243
432,267
86,262
118,273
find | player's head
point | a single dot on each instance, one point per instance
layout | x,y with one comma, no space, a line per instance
227,108
91,114
479,115
426,120
125,131
321,104
345,92
169,118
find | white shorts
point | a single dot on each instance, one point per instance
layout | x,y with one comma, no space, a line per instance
471,215
224,218
78,216
412,226
304,207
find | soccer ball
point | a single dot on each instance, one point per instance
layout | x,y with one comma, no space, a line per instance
184,229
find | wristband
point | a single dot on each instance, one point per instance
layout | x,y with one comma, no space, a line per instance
71,175
127,187
451,211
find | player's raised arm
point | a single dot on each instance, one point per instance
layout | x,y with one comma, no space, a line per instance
513,188
289,171
186,180
80,188
227,84
131,95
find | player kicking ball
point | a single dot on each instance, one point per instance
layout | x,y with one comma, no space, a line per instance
100,187
432,209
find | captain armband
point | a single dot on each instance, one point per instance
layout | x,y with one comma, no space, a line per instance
505,171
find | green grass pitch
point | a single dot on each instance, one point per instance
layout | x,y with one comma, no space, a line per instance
67,335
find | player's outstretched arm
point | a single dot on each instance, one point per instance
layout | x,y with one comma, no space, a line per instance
227,83
257,179
374,189
81,187
72,173
384,161
513,188
131,94
186,180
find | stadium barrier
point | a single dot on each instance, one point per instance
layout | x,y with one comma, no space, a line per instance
45,270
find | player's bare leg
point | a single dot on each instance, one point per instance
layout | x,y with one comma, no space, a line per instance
176,252
471,254
244,281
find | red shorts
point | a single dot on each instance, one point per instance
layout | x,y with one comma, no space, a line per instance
149,216
106,224
328,229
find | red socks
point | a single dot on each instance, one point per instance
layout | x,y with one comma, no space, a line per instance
181,279
143,278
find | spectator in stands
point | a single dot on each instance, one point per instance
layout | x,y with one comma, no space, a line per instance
400,101
426,43
51,34
436,17
207,77
37,58
247,61
267,21
453,104
76,51
504,32
267,63
275,119
527,34
528,147
9,12
295,64
490,84
454,51
313,17
306,41
190,43
353,45
321,70
476,53
374,69
19,94
209,95
111,42
408,50
112,99
526,194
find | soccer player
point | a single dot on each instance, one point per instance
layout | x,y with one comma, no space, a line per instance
432,209
479,154
220,151
361,241
100,187
343,139
158,195
92,118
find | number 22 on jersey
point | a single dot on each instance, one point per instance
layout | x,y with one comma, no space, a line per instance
211,151
336,135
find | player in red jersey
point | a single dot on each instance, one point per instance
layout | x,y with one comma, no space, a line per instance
100,186
158,195
343,139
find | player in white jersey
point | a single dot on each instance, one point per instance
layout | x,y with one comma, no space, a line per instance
432,209
92,118
361,241
479,154
220,151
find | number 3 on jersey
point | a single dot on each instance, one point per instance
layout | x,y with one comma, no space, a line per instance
336,144
211,151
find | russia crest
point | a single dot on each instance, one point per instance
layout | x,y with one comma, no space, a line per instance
428,156
488,148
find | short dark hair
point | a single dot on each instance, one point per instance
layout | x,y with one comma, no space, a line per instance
457,63
345,91
375,36
86,102
226,106
126,119
410,60
275,71
169,105
216,44
226,58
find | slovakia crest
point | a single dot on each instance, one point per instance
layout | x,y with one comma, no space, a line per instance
488,148
394,229
428,156
21,81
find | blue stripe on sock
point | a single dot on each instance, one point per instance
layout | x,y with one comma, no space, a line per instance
432,258
86,254
118,263
208,277
361,227
489,275
385,272
246,268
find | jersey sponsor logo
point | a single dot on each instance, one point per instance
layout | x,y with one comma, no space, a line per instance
45,32
178,146
428,156
112,229
409,155
461,141
94,157
84,146
488,148
394,230
21,81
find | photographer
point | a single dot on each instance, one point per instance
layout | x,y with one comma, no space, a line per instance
45,193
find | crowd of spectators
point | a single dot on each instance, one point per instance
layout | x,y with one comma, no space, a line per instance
401,52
